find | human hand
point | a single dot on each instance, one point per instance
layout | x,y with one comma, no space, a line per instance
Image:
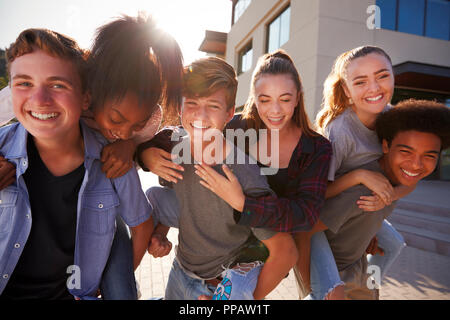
7,173
370,203
379,184
159,246
373,247
228,188
117,158
160,163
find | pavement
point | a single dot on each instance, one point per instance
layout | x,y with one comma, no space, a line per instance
415,275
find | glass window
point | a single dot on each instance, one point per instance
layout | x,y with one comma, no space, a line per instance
388,10
411,16
239,9
279,30
438,19
245,58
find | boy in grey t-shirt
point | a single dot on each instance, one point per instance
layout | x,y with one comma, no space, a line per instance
412,134
209,240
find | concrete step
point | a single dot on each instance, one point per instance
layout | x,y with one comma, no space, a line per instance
424,239
422,207
421,220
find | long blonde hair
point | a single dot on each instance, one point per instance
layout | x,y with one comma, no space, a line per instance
334,99
277,62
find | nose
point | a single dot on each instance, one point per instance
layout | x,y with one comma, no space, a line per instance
200,114
417,162
41,96
374,86
125,133
276,108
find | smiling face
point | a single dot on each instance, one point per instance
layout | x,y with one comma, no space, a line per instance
199,114
119,120
47,95
412,156
369,82
276,98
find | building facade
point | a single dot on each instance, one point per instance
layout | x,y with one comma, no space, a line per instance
415,33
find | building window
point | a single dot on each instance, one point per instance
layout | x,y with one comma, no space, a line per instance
245,58
430,18
239,9
278,30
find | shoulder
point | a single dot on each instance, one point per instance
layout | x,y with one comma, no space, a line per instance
249,174
313,145
339,127
7,134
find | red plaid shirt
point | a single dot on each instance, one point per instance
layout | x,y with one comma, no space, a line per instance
305,192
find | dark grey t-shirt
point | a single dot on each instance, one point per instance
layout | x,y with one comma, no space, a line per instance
209,238
350,229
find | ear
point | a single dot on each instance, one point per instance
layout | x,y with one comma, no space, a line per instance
385,146
230,113
86,101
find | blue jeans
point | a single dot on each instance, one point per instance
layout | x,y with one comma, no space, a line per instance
392,244
180,286
239,283
324,272
118,281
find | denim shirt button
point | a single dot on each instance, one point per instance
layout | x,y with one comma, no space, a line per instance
17,245
24,163
100,205
5,276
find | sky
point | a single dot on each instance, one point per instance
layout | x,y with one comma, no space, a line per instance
185,20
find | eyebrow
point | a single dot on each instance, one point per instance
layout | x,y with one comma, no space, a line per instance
283,94
410,148
361,77
54,78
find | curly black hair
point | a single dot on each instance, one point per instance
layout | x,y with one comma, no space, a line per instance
419,115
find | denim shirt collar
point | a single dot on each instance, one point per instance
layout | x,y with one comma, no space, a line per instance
93,143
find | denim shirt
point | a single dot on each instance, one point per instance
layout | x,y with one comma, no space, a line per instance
99,201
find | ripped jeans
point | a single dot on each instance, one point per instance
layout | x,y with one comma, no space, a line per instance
324,272
238,283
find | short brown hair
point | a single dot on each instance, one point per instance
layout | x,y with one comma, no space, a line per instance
418,115
205,76
52,43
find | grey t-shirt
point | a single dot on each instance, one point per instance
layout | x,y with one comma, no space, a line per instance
350,229
353,143
209,238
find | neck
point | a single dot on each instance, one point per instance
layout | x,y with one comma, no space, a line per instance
368,120
63,154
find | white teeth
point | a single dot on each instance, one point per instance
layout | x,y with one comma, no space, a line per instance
43,116
410,173
276,119
115,135
376,98
199,127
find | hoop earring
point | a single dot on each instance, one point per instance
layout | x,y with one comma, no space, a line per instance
350,101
